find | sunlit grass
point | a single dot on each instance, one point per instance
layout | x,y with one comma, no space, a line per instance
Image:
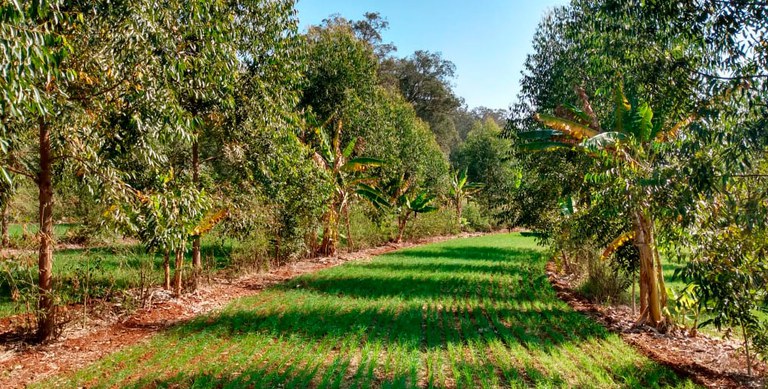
96,272
473,312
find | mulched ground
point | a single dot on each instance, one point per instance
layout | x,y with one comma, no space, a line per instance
714,363
22,363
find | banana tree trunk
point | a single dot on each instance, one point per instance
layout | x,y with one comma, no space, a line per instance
350,243
459,211
402,221
330,231
652,292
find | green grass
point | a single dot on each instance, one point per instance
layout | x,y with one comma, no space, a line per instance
104,271
16,230
465,313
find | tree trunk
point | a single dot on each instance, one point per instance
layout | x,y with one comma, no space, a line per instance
6,238
458,213
746,349
350,243
650,294
401,223
167,269
330,232
178,273
197,263
47,319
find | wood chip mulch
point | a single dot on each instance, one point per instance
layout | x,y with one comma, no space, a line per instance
711,362
22,364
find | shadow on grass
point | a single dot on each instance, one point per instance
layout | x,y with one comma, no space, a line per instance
399,298
481,273
282,375
470,253
407,303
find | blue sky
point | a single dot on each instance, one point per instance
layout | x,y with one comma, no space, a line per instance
486,39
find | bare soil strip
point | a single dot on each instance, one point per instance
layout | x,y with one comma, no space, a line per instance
22,364
714,363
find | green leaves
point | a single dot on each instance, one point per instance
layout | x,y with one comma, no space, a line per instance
643,122
621,109
604,140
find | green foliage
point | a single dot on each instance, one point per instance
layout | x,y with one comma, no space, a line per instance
424,79
486,157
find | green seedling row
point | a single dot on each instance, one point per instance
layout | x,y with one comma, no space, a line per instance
475,312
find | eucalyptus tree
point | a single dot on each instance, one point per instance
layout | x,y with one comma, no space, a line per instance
87,82
424,79
244,53
341,73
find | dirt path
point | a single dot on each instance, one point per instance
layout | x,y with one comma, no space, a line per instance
22,364
714,363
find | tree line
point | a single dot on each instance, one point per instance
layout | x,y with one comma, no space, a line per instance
641,129
165,123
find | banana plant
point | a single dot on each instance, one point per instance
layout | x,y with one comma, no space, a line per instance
345,174
630,147
462,190
399,197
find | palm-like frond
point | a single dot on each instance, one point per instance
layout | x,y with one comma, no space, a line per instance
544,145
664,136
361,163
605,139
642,122
374,195
618,242
567,127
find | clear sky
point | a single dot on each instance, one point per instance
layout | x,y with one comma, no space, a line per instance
486,39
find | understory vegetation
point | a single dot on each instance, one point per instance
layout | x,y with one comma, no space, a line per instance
474,312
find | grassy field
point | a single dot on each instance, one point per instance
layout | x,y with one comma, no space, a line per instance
473,312
95,272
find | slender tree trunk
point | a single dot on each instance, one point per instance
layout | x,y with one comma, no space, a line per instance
6,238
746,349
47,319
458,213
178,273
650,293
330,232
350,243
401,223
197,263
167,269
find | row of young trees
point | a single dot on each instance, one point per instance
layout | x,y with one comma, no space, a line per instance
653,116
175,119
